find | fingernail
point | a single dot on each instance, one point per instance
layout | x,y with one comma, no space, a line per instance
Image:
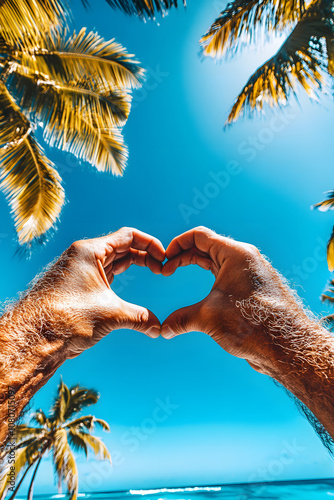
167,333
154,332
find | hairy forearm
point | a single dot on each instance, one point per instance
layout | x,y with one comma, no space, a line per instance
35,334
300,354
32,341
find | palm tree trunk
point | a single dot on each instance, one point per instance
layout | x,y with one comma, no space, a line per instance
20,482
31,487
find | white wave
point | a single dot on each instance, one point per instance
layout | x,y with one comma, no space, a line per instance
175,490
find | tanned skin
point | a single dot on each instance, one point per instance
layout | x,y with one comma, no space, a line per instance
69,309
250,312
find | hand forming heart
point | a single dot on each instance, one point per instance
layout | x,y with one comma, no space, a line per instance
245,281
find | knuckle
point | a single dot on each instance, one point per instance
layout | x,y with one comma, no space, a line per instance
77,246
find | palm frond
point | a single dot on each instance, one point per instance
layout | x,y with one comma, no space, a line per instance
76,441
328,322
70,401
27,177
24,431
80,398
64,462
84,55
145,9
47,101
39,417
242,20
300,62
22,20
328,295
88,421
60,404
102,148
330,252
327,204
96,445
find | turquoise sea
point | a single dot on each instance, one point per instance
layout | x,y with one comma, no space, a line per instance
283,490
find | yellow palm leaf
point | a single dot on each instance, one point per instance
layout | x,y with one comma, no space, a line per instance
327,204
51,102
96,445
299,62
242,20
64,462
84,56
27,177
330,252
102,148
21,20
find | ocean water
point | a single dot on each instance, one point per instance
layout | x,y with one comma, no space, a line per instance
292,490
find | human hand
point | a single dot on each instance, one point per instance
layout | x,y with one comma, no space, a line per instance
249,307
77,287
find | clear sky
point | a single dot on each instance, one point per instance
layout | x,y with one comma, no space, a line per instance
183,412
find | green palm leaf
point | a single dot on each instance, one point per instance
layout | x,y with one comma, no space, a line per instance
27,177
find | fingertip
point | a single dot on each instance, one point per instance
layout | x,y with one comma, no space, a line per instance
167,333
166,270
153,332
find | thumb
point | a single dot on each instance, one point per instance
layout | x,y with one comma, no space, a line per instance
138,318
184,320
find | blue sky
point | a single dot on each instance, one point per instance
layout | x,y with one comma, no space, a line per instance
183,412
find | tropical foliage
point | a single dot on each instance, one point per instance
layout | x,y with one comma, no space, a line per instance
75,87
304,60
145,9
56,436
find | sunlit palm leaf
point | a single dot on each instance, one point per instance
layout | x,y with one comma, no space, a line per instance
80,398
88,421
327,204
96,445
242,20
23,19
144,8
64,462
328,295
24,431
27,177
49,102
76,441
330,252
299,62
61,403
104,149
328,322
70,401
39,417
84,55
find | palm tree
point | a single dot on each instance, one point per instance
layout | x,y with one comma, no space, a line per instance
56,435
145,9
305,60
76,87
